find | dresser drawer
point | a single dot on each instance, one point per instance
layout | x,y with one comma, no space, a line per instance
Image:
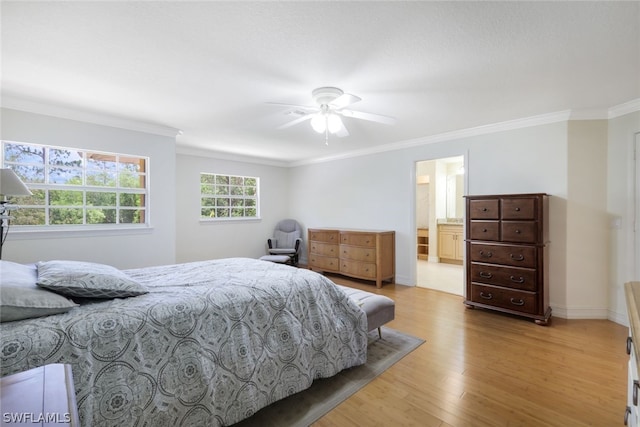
484,209
510,299
517,256
520,208
484,230
357,253
360,269
330,236
324,262
519,231
358,239
511,277
326,249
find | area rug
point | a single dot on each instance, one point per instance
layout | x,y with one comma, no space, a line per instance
306,407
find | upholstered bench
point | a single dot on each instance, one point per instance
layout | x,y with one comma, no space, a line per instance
280,259
379,309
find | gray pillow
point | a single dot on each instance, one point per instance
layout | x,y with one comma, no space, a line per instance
21,298
86,280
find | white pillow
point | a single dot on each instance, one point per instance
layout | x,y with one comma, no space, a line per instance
86,280
21,298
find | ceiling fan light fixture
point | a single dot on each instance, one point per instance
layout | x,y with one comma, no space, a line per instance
334,124
319,123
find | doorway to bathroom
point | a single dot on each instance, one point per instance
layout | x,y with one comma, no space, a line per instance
440,186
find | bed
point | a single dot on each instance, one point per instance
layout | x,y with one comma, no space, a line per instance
203,343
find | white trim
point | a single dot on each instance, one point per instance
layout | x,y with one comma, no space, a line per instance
29,106
200,152
623,109
448,136
580,313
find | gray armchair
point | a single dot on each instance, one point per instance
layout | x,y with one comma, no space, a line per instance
286,240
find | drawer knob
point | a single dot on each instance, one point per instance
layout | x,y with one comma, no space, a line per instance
517,301
518,231
629,342
635,392
486,255
484,209
486,296
484,230
519,257
486,275
517,209
518,280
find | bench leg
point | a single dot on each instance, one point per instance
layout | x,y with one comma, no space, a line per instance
380,333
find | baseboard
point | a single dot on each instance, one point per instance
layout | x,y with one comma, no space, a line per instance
580,313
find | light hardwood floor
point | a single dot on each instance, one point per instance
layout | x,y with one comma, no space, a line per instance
480,368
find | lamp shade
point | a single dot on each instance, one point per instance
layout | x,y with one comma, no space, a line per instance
11,185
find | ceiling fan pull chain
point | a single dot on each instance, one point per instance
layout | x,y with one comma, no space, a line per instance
326,136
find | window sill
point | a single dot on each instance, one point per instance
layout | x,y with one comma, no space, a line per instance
68,232
226,220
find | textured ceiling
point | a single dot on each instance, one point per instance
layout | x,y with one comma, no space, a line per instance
210,68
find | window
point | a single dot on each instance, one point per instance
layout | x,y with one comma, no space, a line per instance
228,197
73,187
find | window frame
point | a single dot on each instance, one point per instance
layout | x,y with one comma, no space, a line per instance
84,170
213,194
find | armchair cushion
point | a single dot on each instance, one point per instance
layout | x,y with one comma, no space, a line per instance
285,240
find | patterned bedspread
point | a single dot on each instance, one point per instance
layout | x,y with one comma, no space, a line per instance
210,344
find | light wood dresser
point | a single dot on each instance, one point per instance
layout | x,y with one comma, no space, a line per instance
507,265
363,254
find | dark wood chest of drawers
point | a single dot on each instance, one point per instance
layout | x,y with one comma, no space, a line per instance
507,265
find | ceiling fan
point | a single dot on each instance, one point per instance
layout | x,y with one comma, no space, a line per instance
325,116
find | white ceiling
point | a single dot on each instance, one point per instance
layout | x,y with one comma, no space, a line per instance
210,68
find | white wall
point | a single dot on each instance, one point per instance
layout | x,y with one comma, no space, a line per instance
152,246
378,191
620,189
199,240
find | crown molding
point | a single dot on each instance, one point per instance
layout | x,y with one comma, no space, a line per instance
220,155
623,109
30,106
542,119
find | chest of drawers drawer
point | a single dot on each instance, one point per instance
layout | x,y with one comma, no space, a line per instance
484,230
510,299
324,262
329,236
358,239
364,270
321,248
510,277
357,253
514,255
519,231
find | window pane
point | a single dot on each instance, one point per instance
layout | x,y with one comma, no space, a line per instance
208,201
250,191
131,216
131,180
65,197
222,212
207,178
132,200
95,198
37,198
59,175
251,212
101,216
101,178
222,190
29,174
132,164
222,202
249,202
237,191
28,216
207,213
222,179
206,189
236,180
101,161
237,212
23,153
237,202
62,216
60,157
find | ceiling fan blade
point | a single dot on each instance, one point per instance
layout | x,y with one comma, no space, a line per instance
296,121
342,132
294,106
370,117
343,101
